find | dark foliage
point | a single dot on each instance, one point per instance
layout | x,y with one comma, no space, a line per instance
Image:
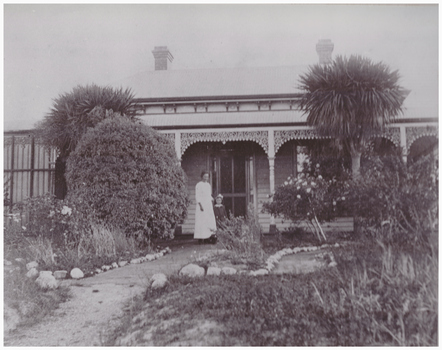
127,175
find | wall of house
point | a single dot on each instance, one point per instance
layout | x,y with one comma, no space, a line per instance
193,162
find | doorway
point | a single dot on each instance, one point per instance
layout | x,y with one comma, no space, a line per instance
232,174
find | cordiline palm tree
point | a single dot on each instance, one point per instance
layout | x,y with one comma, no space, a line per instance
350,100
73,113
84,107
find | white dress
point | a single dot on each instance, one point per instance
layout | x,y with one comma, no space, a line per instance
205,223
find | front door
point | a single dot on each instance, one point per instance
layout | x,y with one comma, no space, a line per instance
232,176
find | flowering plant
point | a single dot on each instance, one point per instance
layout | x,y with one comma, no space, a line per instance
307,198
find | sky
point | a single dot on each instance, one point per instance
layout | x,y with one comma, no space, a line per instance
49,49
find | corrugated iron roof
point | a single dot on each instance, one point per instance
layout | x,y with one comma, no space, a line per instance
215,82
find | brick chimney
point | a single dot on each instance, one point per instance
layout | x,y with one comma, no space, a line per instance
162,55
324,48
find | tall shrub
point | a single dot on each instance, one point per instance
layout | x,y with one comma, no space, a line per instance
396,201
127,175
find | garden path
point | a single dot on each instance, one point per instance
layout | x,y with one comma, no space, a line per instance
97,302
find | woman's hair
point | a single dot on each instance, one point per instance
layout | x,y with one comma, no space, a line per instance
203,173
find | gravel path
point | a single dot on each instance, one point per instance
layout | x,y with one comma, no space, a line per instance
97,302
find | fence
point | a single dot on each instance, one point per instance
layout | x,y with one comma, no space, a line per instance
28,167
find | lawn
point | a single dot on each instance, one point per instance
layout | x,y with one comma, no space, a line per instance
377,295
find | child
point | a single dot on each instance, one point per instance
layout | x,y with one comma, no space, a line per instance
219,210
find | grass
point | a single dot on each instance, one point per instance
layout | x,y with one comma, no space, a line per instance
377,295
30,301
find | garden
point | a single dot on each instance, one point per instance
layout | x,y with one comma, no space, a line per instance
126,192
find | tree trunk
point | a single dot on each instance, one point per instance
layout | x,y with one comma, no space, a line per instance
355,162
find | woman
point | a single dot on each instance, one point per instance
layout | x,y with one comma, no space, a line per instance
205,224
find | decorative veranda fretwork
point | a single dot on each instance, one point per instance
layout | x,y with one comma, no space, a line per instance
282,136
416,132
260,137
393,134
170,137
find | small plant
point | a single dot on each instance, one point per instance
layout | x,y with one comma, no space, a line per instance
242,236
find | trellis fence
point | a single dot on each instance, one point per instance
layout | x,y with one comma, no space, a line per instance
28,167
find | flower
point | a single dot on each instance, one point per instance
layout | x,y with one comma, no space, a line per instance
24,228
343,198
51,213
299,187
313,183
286,183
317,165
334,203
320,177
304,183
308,190
66,210
298,196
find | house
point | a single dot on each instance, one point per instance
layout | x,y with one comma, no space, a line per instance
242,125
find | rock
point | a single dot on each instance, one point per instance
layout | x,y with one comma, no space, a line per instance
45,273
32,273
76,273
32,264
11,318
228,270
122,263
150,257
159,284
20,260
213,270
47,281
260,272
98,270
115,265
135,261
7,262
106,267
192,270
159,280
60,275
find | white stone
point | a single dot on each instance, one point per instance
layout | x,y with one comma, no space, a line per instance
76,273
135,261
61,274
32,264
261,272
115,265
98,270
7,262
160,283
122,263
228,270
192,270
213,270
32,273
160,254
150,257
45,273
47,281
158,276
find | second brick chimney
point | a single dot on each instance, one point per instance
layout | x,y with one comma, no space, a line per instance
324,48
162,55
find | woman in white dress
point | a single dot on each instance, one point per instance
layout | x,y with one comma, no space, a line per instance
205,224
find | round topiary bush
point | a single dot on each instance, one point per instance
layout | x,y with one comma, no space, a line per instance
127,175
